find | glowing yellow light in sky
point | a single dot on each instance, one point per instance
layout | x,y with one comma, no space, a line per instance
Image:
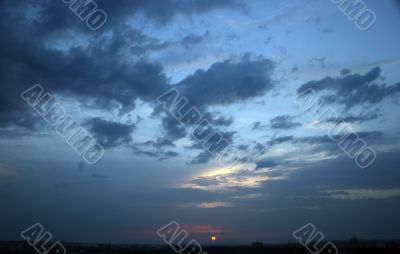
213,238
219,172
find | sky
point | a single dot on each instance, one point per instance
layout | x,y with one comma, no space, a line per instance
241,64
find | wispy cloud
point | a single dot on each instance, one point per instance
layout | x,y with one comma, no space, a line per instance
207,205
361,194
249,196
202,229
241,178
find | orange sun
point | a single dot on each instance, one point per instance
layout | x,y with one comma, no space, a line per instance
213,238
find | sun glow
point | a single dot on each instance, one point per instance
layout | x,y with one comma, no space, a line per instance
219,171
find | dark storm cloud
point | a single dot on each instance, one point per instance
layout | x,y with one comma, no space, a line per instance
228,82
164,11
55,16
224,83
174,130
110,134
97,73
283,122
354,89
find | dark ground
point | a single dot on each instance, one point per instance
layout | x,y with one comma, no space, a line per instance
370,247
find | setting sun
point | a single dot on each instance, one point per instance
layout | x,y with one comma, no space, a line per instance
213,238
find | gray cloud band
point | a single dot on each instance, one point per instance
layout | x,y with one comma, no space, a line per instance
66,127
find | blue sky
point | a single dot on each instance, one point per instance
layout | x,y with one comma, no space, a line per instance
240,62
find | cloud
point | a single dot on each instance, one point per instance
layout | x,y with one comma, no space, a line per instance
159,143
362,194
345,71
228,179
266,164
327,30
259,126
316,20
360,118
206,155
208,205
369,135
202,229
158,151
280,140
353,89
283,122
190,40
95,70
55,16
318,61
222,121
249,196
96,75
174,130
106,70
228,82
171,154
224,83
100,176
110,134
